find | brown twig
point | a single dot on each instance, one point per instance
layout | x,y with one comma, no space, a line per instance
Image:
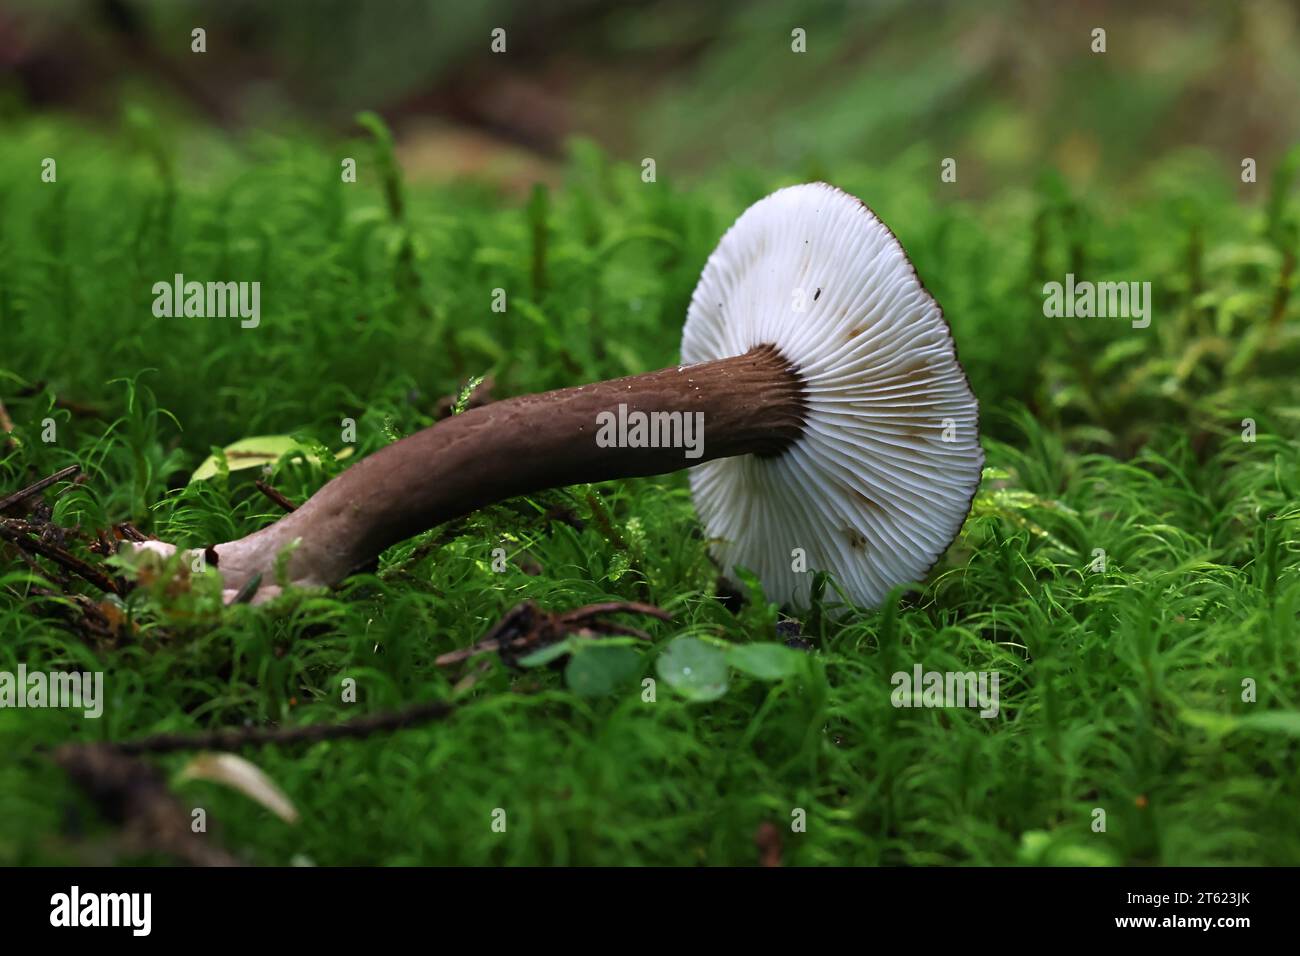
235,738
38,486
616,607
517,625
75,407
275,495
131,792
134,794
130,532
74,612
472,678
604,521
105,541
13,532
84,617
526,627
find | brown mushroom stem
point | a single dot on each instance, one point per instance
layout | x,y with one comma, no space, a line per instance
751,404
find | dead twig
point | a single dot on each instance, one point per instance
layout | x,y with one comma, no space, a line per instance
235,738
76,613
106,542
37,487
605,521
615,607
526,627
518,628
13,532
472,678
76,408
275,495
131,532
134,794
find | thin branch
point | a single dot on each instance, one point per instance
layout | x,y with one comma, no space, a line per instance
75,407
130,532
76,613
526,627
38,486
134,794
274,495
235,738
519,626
59,556
615,607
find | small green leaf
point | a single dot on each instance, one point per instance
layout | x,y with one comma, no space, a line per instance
618,566
546,654
598,671
481,341
1272,721
467,390
766,661
696,670
1040,848
1285,722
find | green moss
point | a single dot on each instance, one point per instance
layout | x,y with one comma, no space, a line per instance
1121,688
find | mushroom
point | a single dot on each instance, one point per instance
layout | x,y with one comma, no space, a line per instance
839,430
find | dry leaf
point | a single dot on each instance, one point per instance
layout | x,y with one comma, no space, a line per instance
239,774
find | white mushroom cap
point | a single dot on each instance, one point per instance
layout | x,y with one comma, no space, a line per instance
883,476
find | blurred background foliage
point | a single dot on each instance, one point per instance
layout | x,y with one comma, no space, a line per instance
1009,86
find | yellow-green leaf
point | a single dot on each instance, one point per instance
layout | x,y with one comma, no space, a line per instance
256,452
